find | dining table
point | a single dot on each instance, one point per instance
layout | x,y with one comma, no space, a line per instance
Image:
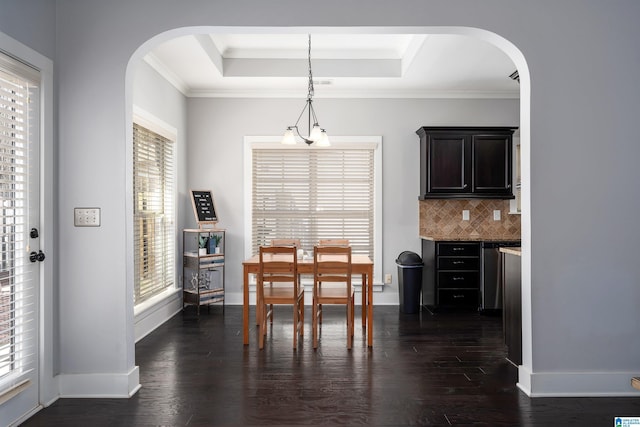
360,265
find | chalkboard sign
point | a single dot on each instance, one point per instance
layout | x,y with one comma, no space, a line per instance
203,207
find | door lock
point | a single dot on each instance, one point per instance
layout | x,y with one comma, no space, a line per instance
34,233
36,256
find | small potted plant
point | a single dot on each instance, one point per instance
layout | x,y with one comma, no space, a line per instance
202,244
214,240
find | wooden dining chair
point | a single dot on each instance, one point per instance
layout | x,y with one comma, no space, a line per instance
278,284
346,242
285,242
332,285
334,242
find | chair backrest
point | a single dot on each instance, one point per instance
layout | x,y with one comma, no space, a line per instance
334,242
278,264
332,264
286,242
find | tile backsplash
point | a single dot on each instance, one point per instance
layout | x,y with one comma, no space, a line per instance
441,219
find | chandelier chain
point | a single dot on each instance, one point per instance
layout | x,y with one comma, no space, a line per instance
311,91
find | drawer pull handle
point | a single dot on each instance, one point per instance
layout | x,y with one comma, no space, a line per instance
458,278
458,262
458,296
458,249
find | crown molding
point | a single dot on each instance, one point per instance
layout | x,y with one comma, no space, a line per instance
166,73
356,94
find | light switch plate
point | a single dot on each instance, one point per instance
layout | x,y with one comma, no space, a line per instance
86,217
465,215
387,279
496,215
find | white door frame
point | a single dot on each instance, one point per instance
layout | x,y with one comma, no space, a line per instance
47,360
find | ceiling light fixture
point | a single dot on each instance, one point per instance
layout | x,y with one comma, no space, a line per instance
316,133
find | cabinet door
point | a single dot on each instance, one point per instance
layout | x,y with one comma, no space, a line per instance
448,165
429,273
491,164
512,306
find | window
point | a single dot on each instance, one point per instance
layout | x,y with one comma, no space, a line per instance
19,109
314,193
154,213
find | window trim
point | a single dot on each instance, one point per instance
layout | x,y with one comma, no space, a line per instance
149,121
337,141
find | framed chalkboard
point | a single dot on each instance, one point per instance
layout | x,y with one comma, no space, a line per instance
204,207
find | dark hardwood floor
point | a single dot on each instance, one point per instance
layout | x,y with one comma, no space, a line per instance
435,370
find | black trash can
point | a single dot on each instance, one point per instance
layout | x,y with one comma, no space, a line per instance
409,281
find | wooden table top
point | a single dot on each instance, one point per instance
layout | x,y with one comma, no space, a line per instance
356,260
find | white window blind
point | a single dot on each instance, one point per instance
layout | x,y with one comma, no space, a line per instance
154,214
18,84
313,194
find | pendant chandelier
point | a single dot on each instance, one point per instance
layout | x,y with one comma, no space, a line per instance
316,133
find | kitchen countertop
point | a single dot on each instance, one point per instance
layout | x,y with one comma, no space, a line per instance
470,239
512,250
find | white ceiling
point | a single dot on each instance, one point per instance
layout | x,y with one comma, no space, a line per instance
344,65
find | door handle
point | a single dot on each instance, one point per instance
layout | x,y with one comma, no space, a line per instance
36,256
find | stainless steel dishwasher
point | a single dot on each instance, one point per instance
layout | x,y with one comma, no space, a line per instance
490,283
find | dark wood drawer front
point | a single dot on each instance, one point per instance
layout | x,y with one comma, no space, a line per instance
455,263
458,249
468,279
458,298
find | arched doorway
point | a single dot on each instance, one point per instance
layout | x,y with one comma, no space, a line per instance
511,50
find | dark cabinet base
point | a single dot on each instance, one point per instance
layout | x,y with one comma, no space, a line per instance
451,275
512,313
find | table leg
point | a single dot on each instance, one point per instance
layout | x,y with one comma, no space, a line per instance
370,307
245,305
364,301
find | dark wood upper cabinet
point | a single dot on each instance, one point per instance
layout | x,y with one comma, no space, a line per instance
492,161
466,162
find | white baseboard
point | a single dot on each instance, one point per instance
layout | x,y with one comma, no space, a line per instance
152,317
25,417
576,384
100,385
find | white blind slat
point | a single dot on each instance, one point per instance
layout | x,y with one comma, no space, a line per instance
313,195
154,245
17,291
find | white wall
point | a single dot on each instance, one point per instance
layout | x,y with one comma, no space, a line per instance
32,22
580,198
166,106
215,157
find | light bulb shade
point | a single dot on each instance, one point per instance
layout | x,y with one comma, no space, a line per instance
316,133
289,138
324,139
